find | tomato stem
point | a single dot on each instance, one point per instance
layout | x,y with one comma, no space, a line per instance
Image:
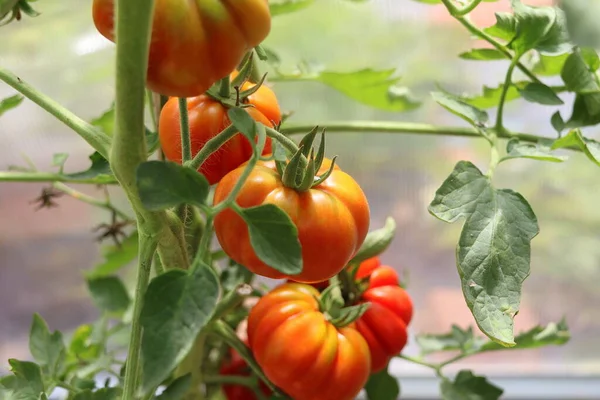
186,146
211,146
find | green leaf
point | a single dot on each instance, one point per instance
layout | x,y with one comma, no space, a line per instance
176,389
494,249
82,346
541,28
106,121
575,138
466,111
165,184
48,349
505,27
553,334
579,75
557,122
584,111
29,372
10,103
100,170
242,121
234,275
483,55
539,93
59,159
467,386
376,242
517,149
279,7
177,305
550,65
348,315
115,257
457,339
109,294
491,96
382,386
274,238
113,393
582,21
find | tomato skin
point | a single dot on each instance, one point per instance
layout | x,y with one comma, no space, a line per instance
208,117
332,220
331,363
384,324
194,43
236,365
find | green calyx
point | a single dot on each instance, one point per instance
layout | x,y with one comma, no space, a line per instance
301,172
331,304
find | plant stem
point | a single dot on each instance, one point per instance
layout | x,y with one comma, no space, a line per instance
505,87
286,142
186,146
146,253
96,138
468,8
19,176
211,146
413,360
89,199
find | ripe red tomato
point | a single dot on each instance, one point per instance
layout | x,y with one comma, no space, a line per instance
237,366
207,118
194,43
301,352
332,220
384,324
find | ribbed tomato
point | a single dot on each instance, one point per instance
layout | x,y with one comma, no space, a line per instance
208,117
196,42
301,352
384,323
332,220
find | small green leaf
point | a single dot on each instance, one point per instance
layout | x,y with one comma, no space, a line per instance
109,294
376,242
455,105
494,251
491,96
177,305
165,184
578,74
575,138
539,93
468,386
279,7
457,339
553,334
505,27
557,122
550,65
274,238
48,349
176,389
516,149
382,386
113,393
59,159
100,170
82,347
106,121
116,257
582,21
541,28
10,103
483,55
83,384
242,121
29,372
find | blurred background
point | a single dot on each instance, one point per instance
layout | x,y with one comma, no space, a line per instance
43,253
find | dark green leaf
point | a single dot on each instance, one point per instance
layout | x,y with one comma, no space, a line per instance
382,386
458,339
579,76
113,393
584,111
505,27
10,103
177,305
582,21
242,121
466,111
279,7
494,250
274,238
467,386
83,384
483,55
100,170
541,28
539,93
550,65
176,389
116,257
516,149
575,138
550,335
48,349
109,294
376,241
557,122
165,184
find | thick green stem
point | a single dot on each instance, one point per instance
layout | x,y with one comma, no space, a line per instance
147,248
186,146
211,146
18,176
96,138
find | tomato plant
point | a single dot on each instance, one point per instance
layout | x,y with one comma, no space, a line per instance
192,109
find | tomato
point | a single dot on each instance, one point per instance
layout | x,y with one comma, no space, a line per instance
332,220
384,323
194,43
236,365
301,352
208,117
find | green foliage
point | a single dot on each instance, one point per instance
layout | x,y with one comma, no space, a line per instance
47,349
376,242
274,237
468,386
100,394
493,252
99,170
539,93
10,103
382,386
516,149
483,55
109,294
116,257
575,138
455,105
